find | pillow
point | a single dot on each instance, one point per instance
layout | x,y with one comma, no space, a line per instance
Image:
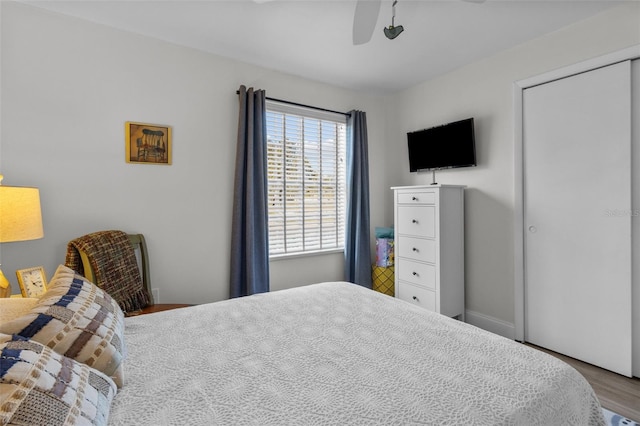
78,320
40,386
14,307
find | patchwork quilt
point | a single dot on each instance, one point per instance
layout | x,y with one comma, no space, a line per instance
78,320
41,387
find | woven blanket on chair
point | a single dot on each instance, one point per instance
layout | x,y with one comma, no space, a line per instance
114,264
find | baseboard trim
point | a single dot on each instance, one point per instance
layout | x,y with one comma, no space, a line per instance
494,325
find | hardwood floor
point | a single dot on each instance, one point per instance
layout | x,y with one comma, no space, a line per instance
615,392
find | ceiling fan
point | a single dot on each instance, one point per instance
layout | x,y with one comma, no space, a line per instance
366,18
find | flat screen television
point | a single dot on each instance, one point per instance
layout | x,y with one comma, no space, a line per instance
447,146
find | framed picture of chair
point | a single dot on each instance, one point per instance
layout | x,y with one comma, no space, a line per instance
147,143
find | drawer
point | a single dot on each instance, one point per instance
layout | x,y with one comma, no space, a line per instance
417,220
417,295
417,249
416,198
416,273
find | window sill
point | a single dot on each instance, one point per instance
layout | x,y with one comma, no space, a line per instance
287,256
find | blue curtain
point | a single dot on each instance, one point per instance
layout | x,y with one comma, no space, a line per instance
249,229
357,250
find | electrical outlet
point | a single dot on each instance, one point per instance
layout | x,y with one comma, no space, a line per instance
156,295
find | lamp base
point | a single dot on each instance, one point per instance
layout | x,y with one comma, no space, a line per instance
5,286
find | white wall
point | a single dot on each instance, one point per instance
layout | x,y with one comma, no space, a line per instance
68,87
484,90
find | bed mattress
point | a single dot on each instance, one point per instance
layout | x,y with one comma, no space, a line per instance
337,354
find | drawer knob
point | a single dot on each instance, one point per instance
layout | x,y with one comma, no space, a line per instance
415,249
414,198
416,299
414,221
415,274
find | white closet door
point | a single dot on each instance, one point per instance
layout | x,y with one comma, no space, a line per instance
577,194
635,178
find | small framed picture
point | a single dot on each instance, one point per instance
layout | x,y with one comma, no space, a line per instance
32,281
147,143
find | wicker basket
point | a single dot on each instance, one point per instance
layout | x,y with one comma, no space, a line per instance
383,278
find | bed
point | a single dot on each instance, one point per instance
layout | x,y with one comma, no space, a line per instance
336,354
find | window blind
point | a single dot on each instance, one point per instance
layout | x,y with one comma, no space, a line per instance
306,179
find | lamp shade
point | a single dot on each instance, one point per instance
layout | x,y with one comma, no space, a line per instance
20,214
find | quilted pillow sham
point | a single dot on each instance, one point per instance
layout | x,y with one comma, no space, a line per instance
13,307
78,320
41,387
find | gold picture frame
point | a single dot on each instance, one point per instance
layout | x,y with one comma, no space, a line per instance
32,281
147,143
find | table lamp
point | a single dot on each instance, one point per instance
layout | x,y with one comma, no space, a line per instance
20,220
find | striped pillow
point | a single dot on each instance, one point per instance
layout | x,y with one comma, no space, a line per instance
78,320
40,386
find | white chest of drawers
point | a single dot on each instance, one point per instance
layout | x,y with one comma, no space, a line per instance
429,247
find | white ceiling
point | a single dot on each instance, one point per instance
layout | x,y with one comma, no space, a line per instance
313,39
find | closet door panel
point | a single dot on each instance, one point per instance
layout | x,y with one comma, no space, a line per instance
577,196
635,178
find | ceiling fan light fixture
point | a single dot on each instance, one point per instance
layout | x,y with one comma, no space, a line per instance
392,32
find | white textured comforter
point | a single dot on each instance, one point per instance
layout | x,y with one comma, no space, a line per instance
337,354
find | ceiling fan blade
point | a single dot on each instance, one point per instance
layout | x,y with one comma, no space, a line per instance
365,20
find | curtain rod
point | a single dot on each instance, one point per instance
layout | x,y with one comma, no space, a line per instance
303,105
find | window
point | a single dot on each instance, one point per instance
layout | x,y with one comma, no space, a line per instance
306,179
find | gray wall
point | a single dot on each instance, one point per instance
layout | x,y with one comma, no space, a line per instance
484,90
68,86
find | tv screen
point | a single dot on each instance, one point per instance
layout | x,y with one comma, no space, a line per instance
442,147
